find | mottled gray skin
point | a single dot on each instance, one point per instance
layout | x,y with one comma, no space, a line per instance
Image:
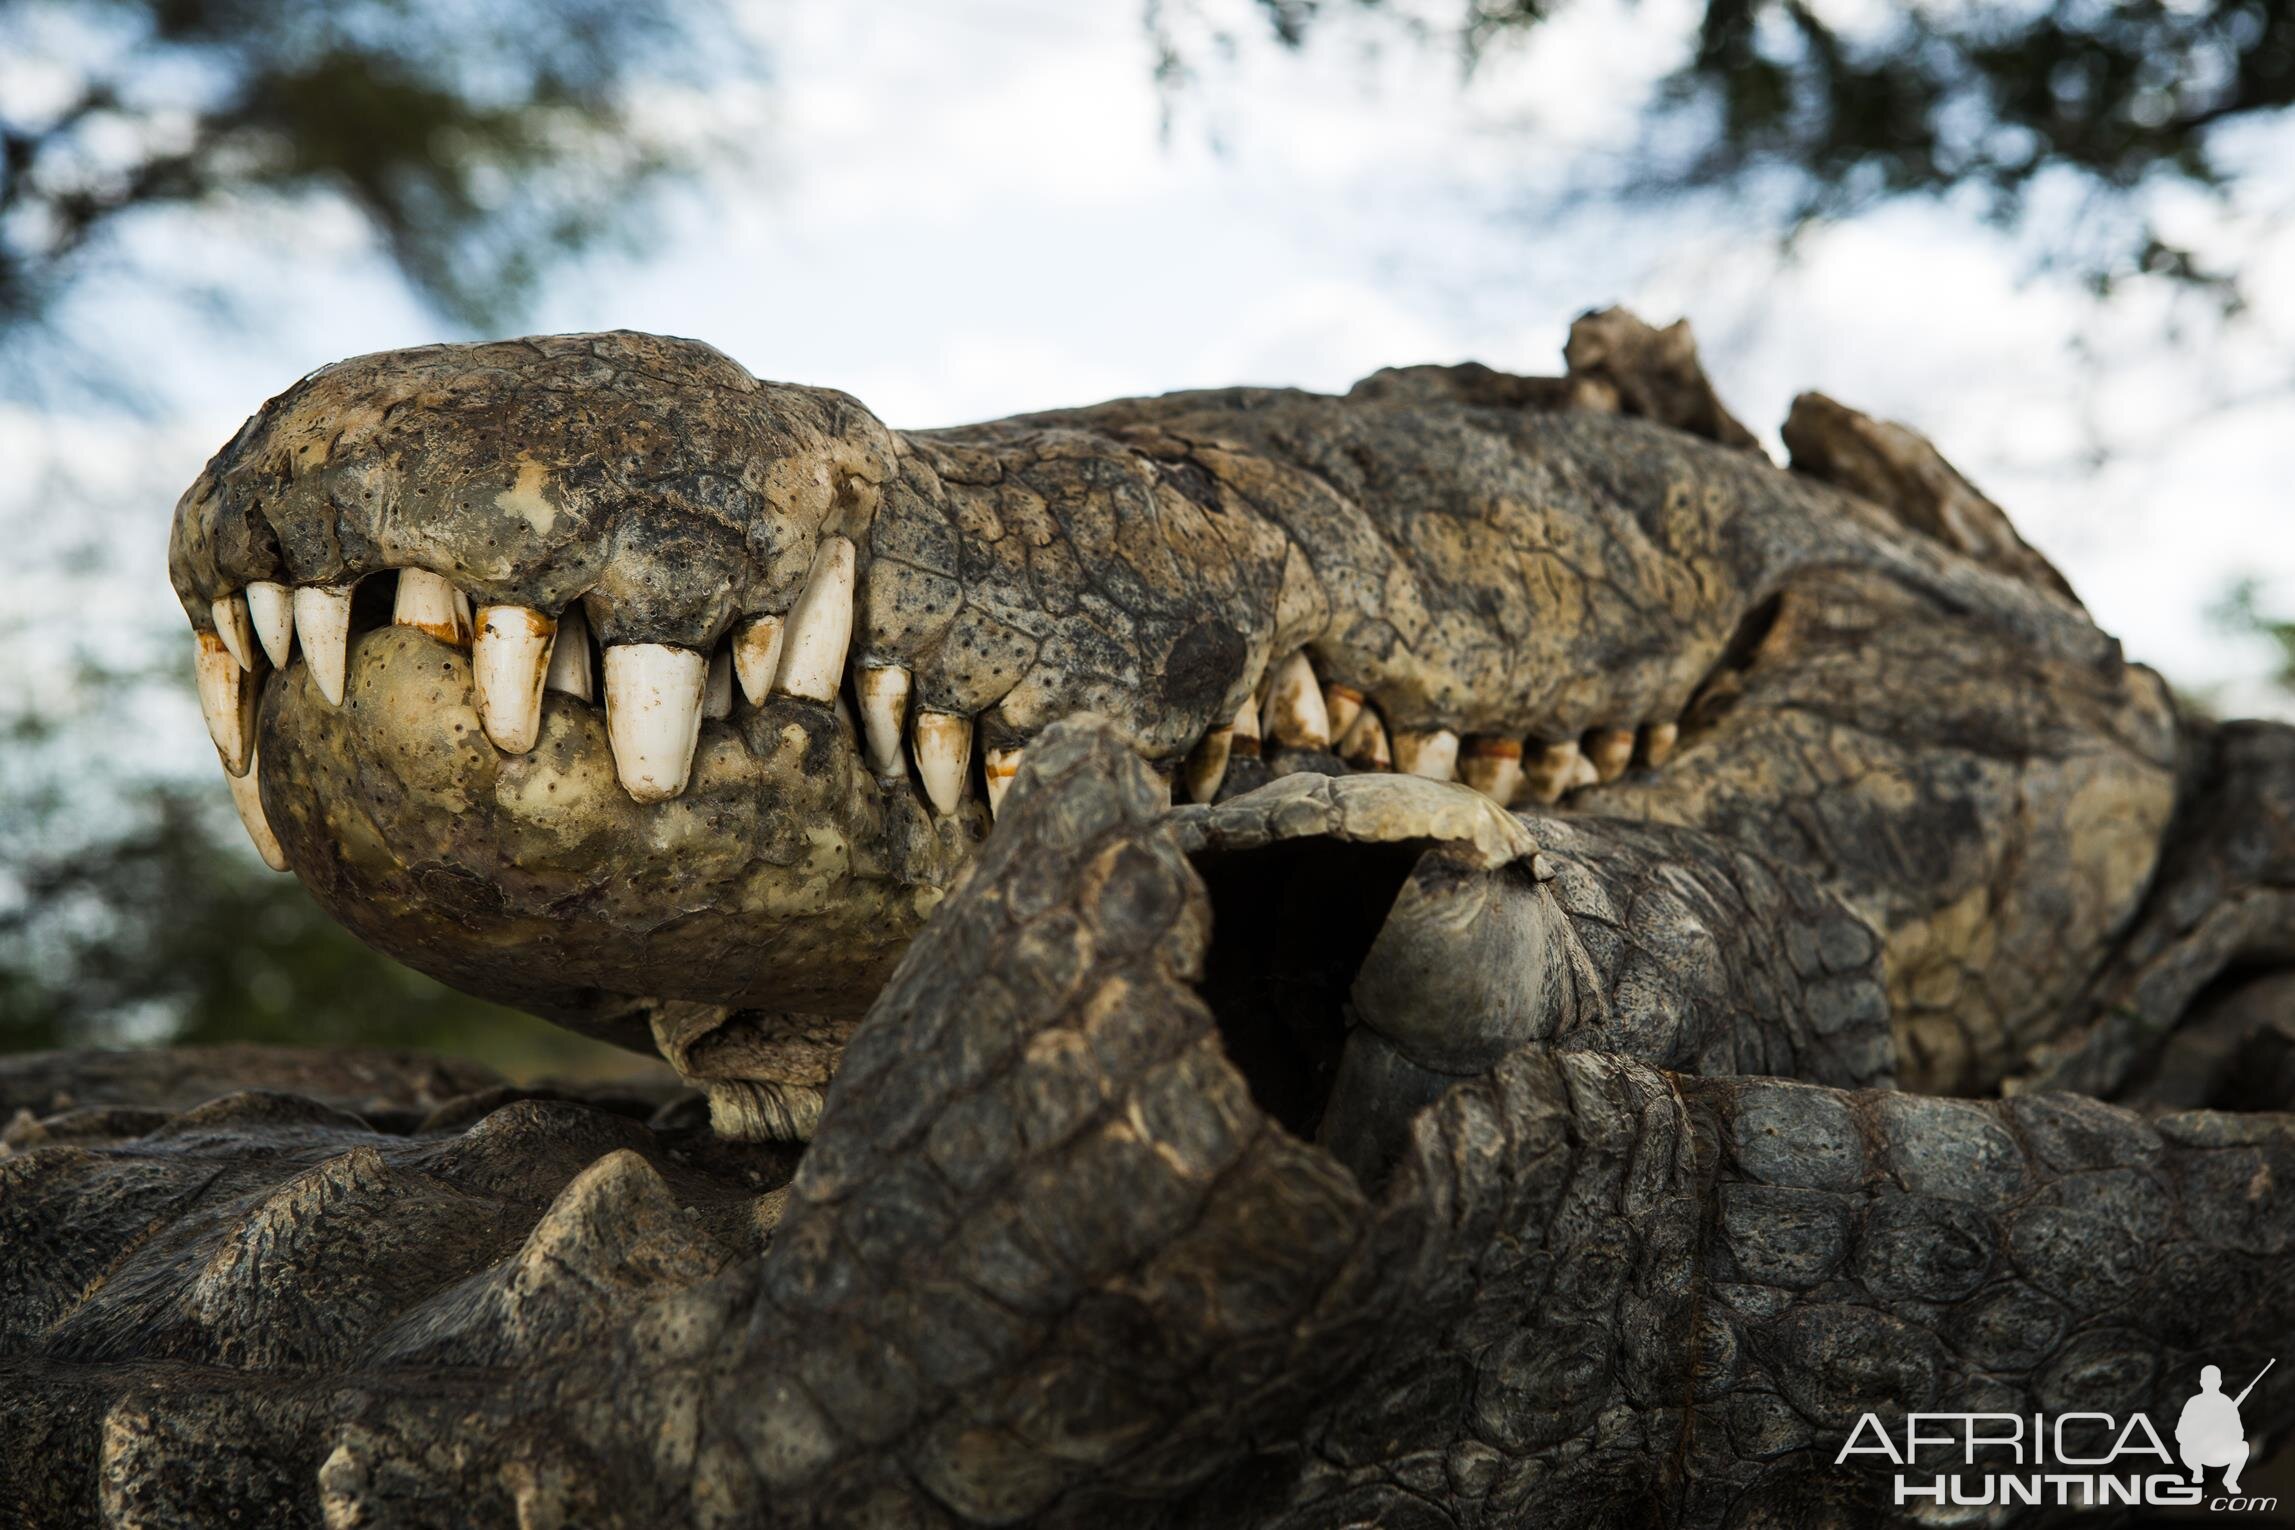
1348,1151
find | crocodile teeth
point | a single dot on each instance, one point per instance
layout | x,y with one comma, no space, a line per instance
227,701
570,658
653,716
1582,773
1244,731
1295,717
717,695
430,604
323,623
509,658
997,768
272,609
820,626
943,751
1658,740
1364,745
1551,773
1493,767
1342,704
233,626
1433,755
1206,768
247,797
1611,750
757,657
884,709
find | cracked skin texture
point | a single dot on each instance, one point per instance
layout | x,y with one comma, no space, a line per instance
1048,1260
1911,721
1346,1151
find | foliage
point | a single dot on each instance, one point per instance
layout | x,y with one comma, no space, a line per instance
2029,108
476,139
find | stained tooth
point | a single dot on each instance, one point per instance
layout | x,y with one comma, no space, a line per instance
717,695
508,660
757,657
1206,767
570,672
1582,773
271,607
1551,772
1365,744
943,753
1294,716
1611,750
820,626
1433,755
1658,740
997,768
884,709
1243,737
232,624
247,797
1493,767
323,623
1342,704
430,604
653,716
227,700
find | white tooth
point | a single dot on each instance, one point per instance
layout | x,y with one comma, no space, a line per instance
1658,740
232,624
1493,767
227,700
1343,704
717,695
943,757
508,659
430,604
757,657
272,610
1433,755
653,716
1245,736
462,613
1365,743
1295,716
1551,772
1582,773
997,768
570,670
820,626
323,623
247,797
1611,750
884,708
1206,768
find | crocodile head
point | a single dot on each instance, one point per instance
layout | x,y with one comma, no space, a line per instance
591,674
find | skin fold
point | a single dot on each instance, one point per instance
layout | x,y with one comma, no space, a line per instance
1351,1148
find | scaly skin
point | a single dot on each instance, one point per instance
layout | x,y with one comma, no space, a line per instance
1491,556
1049,1259
1349,1149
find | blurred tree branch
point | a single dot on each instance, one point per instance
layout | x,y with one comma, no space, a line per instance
477,141
1848,106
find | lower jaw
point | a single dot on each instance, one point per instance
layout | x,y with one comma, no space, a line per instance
782,879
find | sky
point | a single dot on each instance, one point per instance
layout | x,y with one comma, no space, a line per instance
961,210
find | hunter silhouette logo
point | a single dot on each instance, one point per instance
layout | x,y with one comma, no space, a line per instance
2075,1459
2209,1433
